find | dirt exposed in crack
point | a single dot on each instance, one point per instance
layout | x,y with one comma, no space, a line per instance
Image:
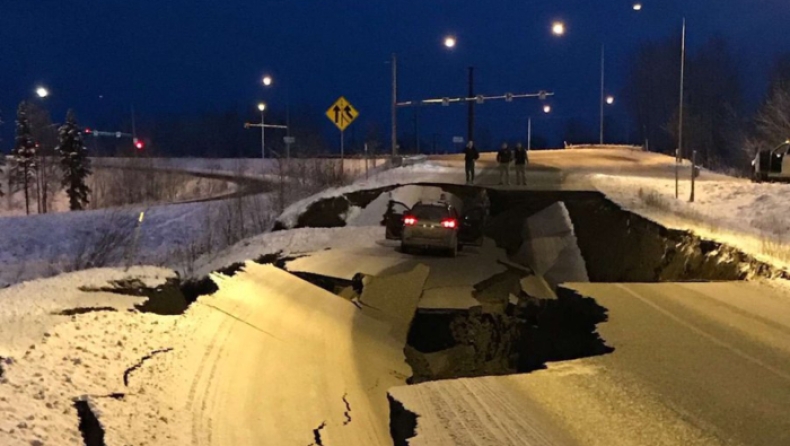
84,310
317,441
165,300
92,431
403,422
620,246
194,288
128,372
347,413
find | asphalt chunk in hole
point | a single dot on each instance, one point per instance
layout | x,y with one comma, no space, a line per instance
92,431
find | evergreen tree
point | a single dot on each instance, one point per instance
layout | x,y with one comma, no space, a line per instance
74,163
23,156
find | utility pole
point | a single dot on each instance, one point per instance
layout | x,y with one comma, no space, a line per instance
529,133
394,110
679,153
470,133
603,73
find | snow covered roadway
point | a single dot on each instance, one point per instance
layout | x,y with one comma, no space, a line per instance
269,358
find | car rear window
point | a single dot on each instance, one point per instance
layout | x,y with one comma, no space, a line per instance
430,213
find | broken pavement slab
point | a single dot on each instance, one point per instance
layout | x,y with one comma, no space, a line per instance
550,247
536,287
394,298
272,357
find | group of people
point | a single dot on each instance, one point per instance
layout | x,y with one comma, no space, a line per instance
504,157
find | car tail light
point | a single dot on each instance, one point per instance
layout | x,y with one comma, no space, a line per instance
450,223
409,220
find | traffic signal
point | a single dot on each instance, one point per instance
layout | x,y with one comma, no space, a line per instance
138,144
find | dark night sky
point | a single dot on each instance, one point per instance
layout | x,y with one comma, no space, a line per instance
177,56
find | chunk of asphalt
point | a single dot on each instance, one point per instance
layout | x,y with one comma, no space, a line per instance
394,298
89,426
536,288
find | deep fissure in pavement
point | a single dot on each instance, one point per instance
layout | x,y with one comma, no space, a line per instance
128,372
92,431
615,246
403,422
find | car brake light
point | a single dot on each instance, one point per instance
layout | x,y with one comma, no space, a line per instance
409,221
449,223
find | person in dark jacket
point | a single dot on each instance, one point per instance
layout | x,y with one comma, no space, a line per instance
470,156
522,159
504,157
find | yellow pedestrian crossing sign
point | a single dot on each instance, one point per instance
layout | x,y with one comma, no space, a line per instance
342,113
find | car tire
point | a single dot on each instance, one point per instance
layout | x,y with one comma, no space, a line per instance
405,249
453,252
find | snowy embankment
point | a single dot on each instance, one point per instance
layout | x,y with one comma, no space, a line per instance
245,167
751,217
174,236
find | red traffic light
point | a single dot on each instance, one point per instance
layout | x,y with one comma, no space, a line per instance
138,144
88,131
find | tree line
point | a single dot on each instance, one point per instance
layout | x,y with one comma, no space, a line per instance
718,121
45,159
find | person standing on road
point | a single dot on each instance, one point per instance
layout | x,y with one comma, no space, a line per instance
522,159
470,156
503,157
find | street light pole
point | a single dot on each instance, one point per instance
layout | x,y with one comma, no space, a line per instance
529,133
470,132
603,74
262,108
394,110
679,154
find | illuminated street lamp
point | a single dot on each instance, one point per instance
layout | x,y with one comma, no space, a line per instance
267,80
547,108
610,100
449,42
637,6
262,108
558,29
42,92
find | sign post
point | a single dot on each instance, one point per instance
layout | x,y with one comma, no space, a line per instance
288,141
342,114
